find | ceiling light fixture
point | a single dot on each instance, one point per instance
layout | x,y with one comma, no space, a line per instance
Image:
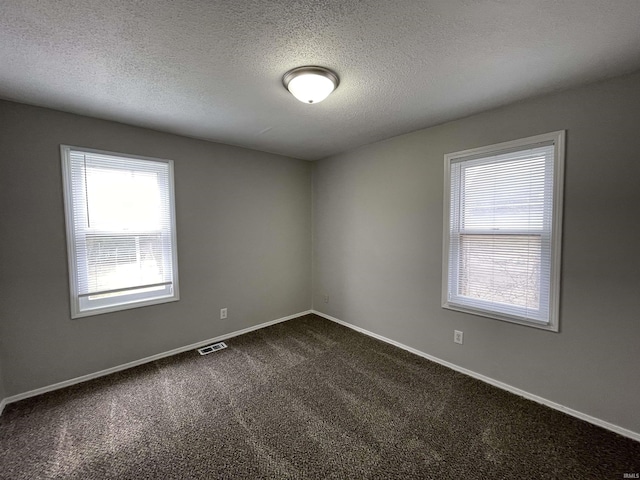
310,84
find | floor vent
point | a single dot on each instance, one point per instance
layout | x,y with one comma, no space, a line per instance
212,348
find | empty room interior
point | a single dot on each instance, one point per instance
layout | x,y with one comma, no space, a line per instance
320,239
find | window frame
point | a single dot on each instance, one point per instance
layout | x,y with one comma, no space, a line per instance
558,140
80,308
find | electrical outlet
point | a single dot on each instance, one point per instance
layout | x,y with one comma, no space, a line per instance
326,299
223,313
457,336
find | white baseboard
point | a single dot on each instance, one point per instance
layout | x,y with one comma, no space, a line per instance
496,383
135,363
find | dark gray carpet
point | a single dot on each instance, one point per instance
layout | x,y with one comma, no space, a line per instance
302,399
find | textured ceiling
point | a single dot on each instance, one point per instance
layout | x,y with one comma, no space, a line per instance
213,69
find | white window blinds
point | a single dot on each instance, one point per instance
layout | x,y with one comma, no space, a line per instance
121,231
502,232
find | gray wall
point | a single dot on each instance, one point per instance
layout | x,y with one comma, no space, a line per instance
244,242
2,391
378,250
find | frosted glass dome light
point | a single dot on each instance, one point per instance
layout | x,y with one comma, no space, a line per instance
310,84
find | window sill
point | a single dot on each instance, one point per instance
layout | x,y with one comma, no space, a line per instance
551,326
123,306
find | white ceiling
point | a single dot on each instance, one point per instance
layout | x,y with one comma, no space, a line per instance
213,69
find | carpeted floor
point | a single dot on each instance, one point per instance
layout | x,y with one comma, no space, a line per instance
303,399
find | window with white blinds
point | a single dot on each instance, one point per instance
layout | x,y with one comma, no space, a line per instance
502,232
121,234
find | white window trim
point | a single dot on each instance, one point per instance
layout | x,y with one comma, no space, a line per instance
558,139
130,301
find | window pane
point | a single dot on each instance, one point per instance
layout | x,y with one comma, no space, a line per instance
501,268
123,199
504,195
119,261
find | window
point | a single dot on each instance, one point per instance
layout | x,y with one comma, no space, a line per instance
502,232
121,234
